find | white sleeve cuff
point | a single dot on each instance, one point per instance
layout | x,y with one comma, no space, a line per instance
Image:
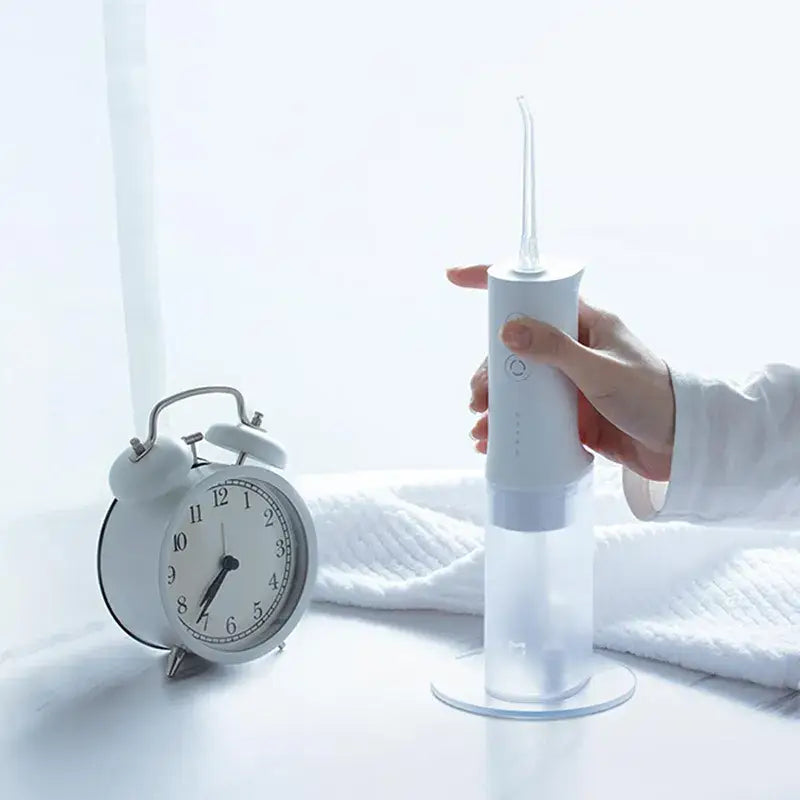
645,497
736,454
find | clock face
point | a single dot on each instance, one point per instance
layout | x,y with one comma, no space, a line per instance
230,563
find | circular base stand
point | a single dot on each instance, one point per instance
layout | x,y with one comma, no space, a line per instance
461,685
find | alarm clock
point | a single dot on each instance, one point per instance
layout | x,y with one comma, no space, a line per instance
212,559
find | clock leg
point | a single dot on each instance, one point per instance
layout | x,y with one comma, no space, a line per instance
174,661
281,647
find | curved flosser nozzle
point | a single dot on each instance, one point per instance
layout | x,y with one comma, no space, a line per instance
528,248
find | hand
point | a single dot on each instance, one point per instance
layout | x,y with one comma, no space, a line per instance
626,406
229,563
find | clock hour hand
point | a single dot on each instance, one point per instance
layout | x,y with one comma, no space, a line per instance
211,592
229,563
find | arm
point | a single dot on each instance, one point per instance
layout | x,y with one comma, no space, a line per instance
736,453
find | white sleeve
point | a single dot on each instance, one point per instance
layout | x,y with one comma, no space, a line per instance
736,456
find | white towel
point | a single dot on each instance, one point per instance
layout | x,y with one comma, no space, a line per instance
721,600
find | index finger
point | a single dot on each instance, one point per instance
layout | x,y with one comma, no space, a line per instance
469,277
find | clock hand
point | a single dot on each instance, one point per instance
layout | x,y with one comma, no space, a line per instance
229,563
211,591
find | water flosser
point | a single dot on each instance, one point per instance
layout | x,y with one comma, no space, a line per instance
539,540
537,660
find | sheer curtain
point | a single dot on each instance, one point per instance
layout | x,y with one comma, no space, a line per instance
65,392
267,195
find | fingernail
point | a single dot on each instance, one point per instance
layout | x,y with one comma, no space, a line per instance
516,335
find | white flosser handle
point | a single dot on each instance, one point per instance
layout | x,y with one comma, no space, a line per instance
533,431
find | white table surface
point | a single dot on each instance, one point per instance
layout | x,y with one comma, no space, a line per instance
346,712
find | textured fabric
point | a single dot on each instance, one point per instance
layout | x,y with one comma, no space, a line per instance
722,600
736,458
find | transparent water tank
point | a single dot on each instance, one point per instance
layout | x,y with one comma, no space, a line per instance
538,617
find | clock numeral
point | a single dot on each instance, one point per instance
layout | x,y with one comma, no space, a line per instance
273,581
170,574
179,542
269,516
220,497
246,499
182,604
204,620
230,625
194,513
280,548
258,612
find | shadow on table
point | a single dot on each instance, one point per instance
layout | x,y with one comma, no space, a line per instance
783,702
78,689
460,631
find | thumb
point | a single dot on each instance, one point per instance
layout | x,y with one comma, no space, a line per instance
592,372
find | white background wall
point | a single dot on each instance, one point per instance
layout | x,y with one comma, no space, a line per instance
319,165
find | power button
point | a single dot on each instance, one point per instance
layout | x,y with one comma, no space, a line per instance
516,368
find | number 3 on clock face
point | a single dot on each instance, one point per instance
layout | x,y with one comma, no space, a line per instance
230,563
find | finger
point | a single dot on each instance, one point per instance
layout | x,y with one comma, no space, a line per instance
469,277
479,401
595,431
480,430
588,317
481,446
591,371
590,314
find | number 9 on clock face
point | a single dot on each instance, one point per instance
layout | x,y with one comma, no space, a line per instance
233,565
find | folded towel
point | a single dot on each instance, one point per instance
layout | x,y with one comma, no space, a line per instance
721,600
